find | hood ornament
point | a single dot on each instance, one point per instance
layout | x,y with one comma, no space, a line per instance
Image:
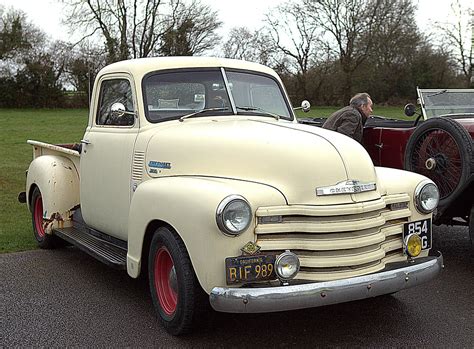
346,187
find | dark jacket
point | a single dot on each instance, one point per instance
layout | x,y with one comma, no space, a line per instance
349,121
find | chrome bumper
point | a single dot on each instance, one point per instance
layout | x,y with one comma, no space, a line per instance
280,298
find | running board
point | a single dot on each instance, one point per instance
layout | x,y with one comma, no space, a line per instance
105,251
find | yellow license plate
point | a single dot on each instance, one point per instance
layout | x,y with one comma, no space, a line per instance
250,268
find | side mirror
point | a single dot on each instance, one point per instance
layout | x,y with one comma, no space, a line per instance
117,110
305,106
410,109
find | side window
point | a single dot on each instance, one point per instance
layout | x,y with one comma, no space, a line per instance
115,91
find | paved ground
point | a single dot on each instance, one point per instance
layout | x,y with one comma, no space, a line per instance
65,298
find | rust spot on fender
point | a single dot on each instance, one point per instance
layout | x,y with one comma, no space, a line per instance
55,217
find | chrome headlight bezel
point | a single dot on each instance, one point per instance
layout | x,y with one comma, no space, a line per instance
421,188
221,214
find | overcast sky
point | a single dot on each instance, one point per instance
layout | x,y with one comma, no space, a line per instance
47,14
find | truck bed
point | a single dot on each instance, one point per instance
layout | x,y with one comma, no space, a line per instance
70,151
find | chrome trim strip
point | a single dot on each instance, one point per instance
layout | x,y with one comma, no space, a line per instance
281,298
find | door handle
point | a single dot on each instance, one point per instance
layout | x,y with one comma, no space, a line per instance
85,141
379,145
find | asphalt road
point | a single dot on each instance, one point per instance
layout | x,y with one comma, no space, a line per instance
65,298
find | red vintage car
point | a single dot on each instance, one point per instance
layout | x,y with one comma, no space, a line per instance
438,143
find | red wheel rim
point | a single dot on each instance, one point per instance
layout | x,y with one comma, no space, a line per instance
166,289
38,215
441,147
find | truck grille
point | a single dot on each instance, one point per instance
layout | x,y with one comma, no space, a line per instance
338,241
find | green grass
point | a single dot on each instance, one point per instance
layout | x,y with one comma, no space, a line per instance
55,126
17,126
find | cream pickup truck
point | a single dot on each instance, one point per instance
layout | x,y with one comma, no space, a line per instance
196,173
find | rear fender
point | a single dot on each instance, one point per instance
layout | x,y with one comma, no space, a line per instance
188,205
58,181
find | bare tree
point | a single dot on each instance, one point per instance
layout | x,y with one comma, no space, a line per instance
17,35
351,26
137,28
251,46
191,29
458,36
303,39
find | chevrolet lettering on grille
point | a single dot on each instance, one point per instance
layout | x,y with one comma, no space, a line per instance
345,187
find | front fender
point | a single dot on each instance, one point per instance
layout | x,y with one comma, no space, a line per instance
188,205
394,181
58,180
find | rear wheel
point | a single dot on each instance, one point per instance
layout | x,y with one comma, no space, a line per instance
441,149
174,288
45,241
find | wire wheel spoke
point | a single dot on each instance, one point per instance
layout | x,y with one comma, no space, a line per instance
440,146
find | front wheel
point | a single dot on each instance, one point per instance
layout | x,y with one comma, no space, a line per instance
471,225
441,149
174,288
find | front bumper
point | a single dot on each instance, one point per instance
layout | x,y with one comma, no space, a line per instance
397,277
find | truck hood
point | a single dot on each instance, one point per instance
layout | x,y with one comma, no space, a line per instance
295,159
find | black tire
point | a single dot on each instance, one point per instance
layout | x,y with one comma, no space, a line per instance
471,225
177,295
45,241
441,149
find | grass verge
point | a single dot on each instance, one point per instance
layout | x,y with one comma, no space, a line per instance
17,126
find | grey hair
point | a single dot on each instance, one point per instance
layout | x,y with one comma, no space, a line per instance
359,100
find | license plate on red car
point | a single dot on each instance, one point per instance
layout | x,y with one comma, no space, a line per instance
250,268
421,228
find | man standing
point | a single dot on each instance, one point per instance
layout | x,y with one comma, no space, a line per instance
350,120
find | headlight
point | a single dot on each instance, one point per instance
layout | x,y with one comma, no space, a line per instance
426,196
287,265
233,215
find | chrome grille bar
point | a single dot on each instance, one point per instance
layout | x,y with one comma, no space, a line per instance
331,245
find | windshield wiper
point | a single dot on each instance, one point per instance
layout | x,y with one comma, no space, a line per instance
263,111
201,111
437,93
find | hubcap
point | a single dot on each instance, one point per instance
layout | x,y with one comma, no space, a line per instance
166,283
430,164
173,280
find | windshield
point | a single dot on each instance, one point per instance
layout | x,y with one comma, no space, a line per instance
437,102
257,94
193,93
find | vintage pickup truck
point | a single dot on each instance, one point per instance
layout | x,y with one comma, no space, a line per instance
195,172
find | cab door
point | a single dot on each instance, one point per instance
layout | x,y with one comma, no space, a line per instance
106,159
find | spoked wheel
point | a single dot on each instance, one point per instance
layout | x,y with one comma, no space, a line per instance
441,149
174,288
44,240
